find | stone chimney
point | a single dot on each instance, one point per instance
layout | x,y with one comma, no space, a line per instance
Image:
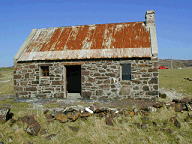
150,24
150,18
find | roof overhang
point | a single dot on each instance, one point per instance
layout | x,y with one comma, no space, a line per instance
87,54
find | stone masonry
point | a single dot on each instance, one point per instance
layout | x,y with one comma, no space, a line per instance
100,79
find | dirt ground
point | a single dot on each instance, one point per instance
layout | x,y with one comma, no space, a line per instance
74,100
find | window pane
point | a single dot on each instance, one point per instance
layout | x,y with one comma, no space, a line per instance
126,72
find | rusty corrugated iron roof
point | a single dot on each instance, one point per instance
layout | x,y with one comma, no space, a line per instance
89,41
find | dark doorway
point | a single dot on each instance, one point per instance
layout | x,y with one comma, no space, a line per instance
74,78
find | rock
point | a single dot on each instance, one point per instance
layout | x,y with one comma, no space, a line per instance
152,109
74,116
176,100
143,113
189,107
84,119
44,131
88,110
61,117
132,113
178,107
190,114
48,116
144,119
164,123
23,120
137,124
26,119
4,114
28,142
85,114
162,95
53,113
1,135
154,123
49,137
143,125
158,104
186,119
46,111
120,121
169,131
10,139
108,121
177,123
105,110
74,128
185,100
161,129
102,114
12,121
33,126
172,119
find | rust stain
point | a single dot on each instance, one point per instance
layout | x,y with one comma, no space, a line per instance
89,41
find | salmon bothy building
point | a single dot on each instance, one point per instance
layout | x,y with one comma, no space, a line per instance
99,61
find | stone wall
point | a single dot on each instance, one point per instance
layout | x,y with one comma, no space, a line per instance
100,79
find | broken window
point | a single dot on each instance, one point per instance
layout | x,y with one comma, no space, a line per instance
44,71
126,71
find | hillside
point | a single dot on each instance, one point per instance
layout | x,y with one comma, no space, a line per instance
175,63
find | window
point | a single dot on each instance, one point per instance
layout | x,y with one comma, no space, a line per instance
44,71
126,71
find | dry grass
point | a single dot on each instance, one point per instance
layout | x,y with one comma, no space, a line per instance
95,131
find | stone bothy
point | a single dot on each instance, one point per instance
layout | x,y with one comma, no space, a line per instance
99,61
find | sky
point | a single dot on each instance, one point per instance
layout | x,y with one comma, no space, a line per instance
173,20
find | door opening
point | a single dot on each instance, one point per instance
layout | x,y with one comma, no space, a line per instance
73,74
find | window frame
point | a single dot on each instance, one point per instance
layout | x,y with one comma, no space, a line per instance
42,71
121,71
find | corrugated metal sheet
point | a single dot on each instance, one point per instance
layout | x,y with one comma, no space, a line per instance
89,41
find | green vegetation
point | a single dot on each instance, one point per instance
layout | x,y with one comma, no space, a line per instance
6,74
94,129
174,78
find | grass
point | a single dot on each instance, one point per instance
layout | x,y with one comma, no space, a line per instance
6,87
95,130
174,79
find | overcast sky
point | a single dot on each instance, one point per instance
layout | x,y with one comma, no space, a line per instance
19,17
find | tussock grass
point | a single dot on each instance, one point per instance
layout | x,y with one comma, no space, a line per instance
94,129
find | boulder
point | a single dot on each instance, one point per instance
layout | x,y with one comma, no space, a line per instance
33,126
175,121
158,104
108,121
74,128
169,131
43,132
4,114
162,95
185,100
178,107
49,137
74,116
61,117
85,114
